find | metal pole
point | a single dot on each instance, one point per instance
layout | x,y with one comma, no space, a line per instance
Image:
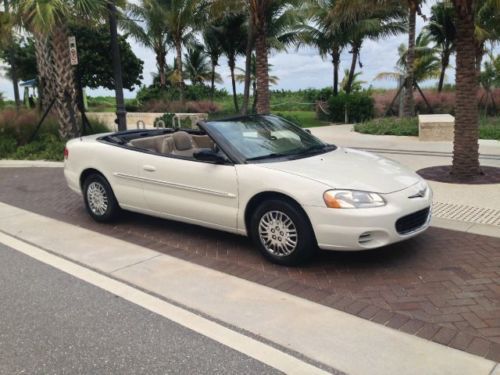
121,113
12,63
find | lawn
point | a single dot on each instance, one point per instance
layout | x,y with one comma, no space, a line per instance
489,127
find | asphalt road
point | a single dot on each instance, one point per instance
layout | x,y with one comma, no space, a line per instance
53,323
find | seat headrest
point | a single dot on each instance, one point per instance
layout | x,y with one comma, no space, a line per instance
182,141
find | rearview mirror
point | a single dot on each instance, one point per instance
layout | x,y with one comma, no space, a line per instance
207,155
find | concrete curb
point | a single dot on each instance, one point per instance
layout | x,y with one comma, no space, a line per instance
5,163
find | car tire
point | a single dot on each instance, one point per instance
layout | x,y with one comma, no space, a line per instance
100,201
282,232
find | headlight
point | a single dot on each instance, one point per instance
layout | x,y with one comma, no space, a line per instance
352,199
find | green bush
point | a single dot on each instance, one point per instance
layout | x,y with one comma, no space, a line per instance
170,93
359,107
8,146
389,126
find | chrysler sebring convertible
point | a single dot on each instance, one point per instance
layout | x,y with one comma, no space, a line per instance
259,176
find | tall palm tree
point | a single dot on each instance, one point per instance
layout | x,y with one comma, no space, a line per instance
47,20
181,17
372,23
442,30
466,145
214,51
147,24
259,11
320,31
487,28
273,80
198,69
232,39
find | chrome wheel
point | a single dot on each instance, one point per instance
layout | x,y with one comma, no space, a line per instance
97,198
278,233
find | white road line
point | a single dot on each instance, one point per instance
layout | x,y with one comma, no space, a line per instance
234,340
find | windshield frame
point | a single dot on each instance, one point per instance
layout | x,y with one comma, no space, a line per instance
210,128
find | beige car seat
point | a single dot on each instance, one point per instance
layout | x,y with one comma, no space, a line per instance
183,144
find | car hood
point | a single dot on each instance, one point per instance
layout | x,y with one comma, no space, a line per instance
346,168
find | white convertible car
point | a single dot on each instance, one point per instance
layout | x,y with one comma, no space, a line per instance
260,176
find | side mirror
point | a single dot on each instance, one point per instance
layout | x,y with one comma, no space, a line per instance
307,131
207,155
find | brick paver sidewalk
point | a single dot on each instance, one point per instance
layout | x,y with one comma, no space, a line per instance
443,285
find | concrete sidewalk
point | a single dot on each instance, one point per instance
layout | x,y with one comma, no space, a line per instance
333,338
344,135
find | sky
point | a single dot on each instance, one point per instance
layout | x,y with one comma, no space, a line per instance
295,69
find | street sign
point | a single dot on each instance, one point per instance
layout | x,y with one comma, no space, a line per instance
73,53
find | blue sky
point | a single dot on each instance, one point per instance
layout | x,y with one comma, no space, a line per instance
295,69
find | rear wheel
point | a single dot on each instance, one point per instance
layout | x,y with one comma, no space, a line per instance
99,198
282,232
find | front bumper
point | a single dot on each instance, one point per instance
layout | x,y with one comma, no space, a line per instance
368,228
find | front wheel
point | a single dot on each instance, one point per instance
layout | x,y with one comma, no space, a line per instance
99,199
282,232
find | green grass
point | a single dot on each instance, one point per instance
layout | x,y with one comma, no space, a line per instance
489,127
305,119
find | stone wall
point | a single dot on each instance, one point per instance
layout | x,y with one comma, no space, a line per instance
145,119
436,127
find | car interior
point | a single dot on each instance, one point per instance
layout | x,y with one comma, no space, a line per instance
180,143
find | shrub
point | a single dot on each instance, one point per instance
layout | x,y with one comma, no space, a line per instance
170,93
358,106
8,146
389,126
203,106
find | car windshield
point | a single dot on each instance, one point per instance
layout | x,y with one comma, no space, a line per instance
267,137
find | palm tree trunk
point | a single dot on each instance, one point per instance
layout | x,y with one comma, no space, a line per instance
336,64
445,60
44,65
178,49
352,70
160,63
479,58
232,63
65,84
248,68
254,105
466,146
262,68
212,81
409,104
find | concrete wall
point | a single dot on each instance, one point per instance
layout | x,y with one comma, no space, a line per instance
147,118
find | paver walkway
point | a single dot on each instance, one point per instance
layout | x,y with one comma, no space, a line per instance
443,285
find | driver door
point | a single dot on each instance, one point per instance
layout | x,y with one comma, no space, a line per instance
190,190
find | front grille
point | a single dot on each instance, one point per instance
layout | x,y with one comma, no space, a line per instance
412,222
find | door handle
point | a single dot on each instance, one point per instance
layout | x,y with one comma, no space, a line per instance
149,168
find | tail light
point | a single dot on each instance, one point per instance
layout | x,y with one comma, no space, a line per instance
66,153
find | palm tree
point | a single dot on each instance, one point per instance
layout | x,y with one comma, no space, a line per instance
181,17
214,51
232,39
259,17
273,80
321,32
442,30
198,69
487,27
466,145
147,24
356,84
375,24
47,21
